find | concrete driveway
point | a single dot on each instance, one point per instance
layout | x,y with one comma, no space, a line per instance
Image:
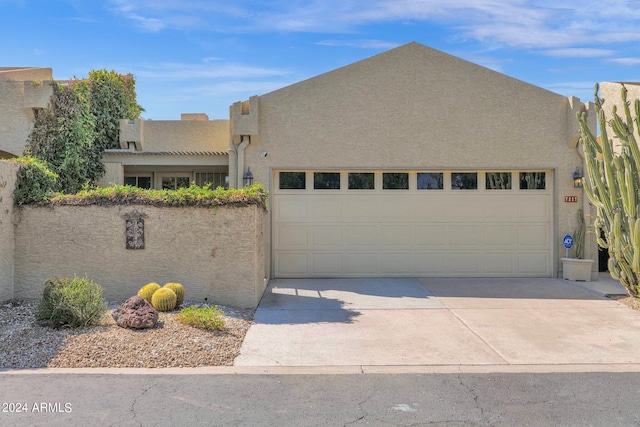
444,321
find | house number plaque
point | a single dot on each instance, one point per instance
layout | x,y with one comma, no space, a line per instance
135,233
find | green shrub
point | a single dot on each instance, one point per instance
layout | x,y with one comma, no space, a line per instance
209,318
71,303
36,182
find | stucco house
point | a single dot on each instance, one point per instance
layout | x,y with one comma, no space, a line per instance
409,163
23,90
167,154
413,163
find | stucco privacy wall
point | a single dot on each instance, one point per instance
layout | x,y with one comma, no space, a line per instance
414,107
215,253
7,236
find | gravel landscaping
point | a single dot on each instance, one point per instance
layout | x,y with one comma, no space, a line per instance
25,344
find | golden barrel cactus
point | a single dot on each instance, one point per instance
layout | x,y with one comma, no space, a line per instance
179,291
164,299
147,291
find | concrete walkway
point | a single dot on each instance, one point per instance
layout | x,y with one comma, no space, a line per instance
441,322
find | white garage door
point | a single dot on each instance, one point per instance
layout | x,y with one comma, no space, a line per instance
412,223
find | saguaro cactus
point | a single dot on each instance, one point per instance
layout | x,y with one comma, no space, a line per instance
611,183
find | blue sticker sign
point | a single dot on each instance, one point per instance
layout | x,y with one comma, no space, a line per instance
567,241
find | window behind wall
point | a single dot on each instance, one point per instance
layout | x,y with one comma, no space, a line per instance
175,182
216,179
138,181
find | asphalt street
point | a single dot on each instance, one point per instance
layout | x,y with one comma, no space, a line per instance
476,399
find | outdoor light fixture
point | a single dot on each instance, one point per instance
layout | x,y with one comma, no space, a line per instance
577,178
248,178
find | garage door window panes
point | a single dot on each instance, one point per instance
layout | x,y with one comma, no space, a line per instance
361,181
532,180
326,180
464,181
498,180
293,180
430,181
395,181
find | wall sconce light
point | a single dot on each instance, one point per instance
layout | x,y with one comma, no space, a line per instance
247,178
577,178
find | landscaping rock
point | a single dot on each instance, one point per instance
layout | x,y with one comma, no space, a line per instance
135,313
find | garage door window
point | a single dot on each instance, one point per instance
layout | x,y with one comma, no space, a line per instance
293,180
361,181
395,181
430,181
498,180
532,181
326,180
464,181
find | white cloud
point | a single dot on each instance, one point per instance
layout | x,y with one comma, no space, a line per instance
578,52
363,44
628,62
516,23
181,71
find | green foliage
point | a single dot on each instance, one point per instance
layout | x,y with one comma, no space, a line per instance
178,289
164,299
63,134
113,97
579,235
81,121
210,318
612,184
147,291
71,303
36,183
189,196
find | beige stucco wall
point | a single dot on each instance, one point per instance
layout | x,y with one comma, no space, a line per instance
16,115
417,108
21,90
214,253
611,93
25,73
113,174
7,233
176,135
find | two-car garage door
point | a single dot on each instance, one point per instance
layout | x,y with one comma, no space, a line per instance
412,223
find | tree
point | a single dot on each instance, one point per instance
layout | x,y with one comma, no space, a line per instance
63,136
612,185
113,97
81,121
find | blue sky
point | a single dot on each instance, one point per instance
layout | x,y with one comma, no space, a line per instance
203,55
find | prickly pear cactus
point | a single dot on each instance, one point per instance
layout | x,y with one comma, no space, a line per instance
147,291
612,184
164,299
179,291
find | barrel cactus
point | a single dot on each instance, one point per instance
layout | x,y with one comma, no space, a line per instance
612,184
147,291
164,299
179,291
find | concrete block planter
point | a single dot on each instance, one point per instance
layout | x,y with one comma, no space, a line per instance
575,269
